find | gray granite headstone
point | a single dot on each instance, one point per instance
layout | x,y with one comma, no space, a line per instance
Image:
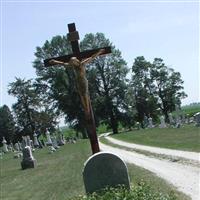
28,159
104,170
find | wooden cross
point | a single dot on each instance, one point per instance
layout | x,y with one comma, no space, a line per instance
73,37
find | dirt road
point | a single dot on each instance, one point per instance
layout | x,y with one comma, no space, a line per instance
169,152
184,177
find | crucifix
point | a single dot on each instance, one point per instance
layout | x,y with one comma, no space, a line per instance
77,61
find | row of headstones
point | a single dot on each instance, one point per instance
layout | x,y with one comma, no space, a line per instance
173,122
27,146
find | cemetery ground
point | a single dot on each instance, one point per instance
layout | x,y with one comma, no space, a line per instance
185,138
58,176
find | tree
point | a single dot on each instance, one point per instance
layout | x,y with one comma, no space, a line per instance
107,93
58,84
107,81
7,124
146,103
168,86
156,86
31,110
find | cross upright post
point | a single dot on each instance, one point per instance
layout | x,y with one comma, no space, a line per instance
81,58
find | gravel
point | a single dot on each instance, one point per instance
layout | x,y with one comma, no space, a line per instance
185,178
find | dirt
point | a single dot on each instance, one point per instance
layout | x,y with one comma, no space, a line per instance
186,178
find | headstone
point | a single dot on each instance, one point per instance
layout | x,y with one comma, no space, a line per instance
187,120
197,119
54,142
18,155
20,146
177,117
191,120
10,147
162,122
49,142
52,149
35,140
24,142
60,138
104,170
183,118
145,121
16,147
150,122
138,125
178,121
171,119
28,160
28,140
5,147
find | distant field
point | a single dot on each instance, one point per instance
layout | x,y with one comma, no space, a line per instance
185,138
58,176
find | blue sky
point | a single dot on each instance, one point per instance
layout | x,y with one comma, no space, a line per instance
167,30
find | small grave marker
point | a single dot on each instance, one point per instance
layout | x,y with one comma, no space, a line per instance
28,159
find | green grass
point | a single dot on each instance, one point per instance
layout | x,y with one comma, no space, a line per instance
185,138
58,176
191,109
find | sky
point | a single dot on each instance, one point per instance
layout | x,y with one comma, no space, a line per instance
162,29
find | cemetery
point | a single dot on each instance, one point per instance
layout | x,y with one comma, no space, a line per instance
92,125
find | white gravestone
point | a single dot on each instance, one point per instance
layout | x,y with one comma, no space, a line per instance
171,120
35,140
28,140
5,147
60,138
138,125
150,123
49,142
16,147
24,142
104,170
162,122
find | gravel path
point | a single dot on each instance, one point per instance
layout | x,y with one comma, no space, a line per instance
185,178
169,152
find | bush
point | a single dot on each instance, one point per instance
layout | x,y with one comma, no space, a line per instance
138,192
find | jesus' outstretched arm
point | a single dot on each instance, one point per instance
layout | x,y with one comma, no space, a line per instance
93,57
58,62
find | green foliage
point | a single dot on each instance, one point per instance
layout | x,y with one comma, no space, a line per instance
107,78
137,192
107,82
156,88
31,111
102,128
7,124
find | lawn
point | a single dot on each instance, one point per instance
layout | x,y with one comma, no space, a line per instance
58,176
185,138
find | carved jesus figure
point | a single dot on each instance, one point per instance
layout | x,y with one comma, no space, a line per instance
81,80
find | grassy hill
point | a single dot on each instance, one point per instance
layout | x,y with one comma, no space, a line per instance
58,176
185,138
